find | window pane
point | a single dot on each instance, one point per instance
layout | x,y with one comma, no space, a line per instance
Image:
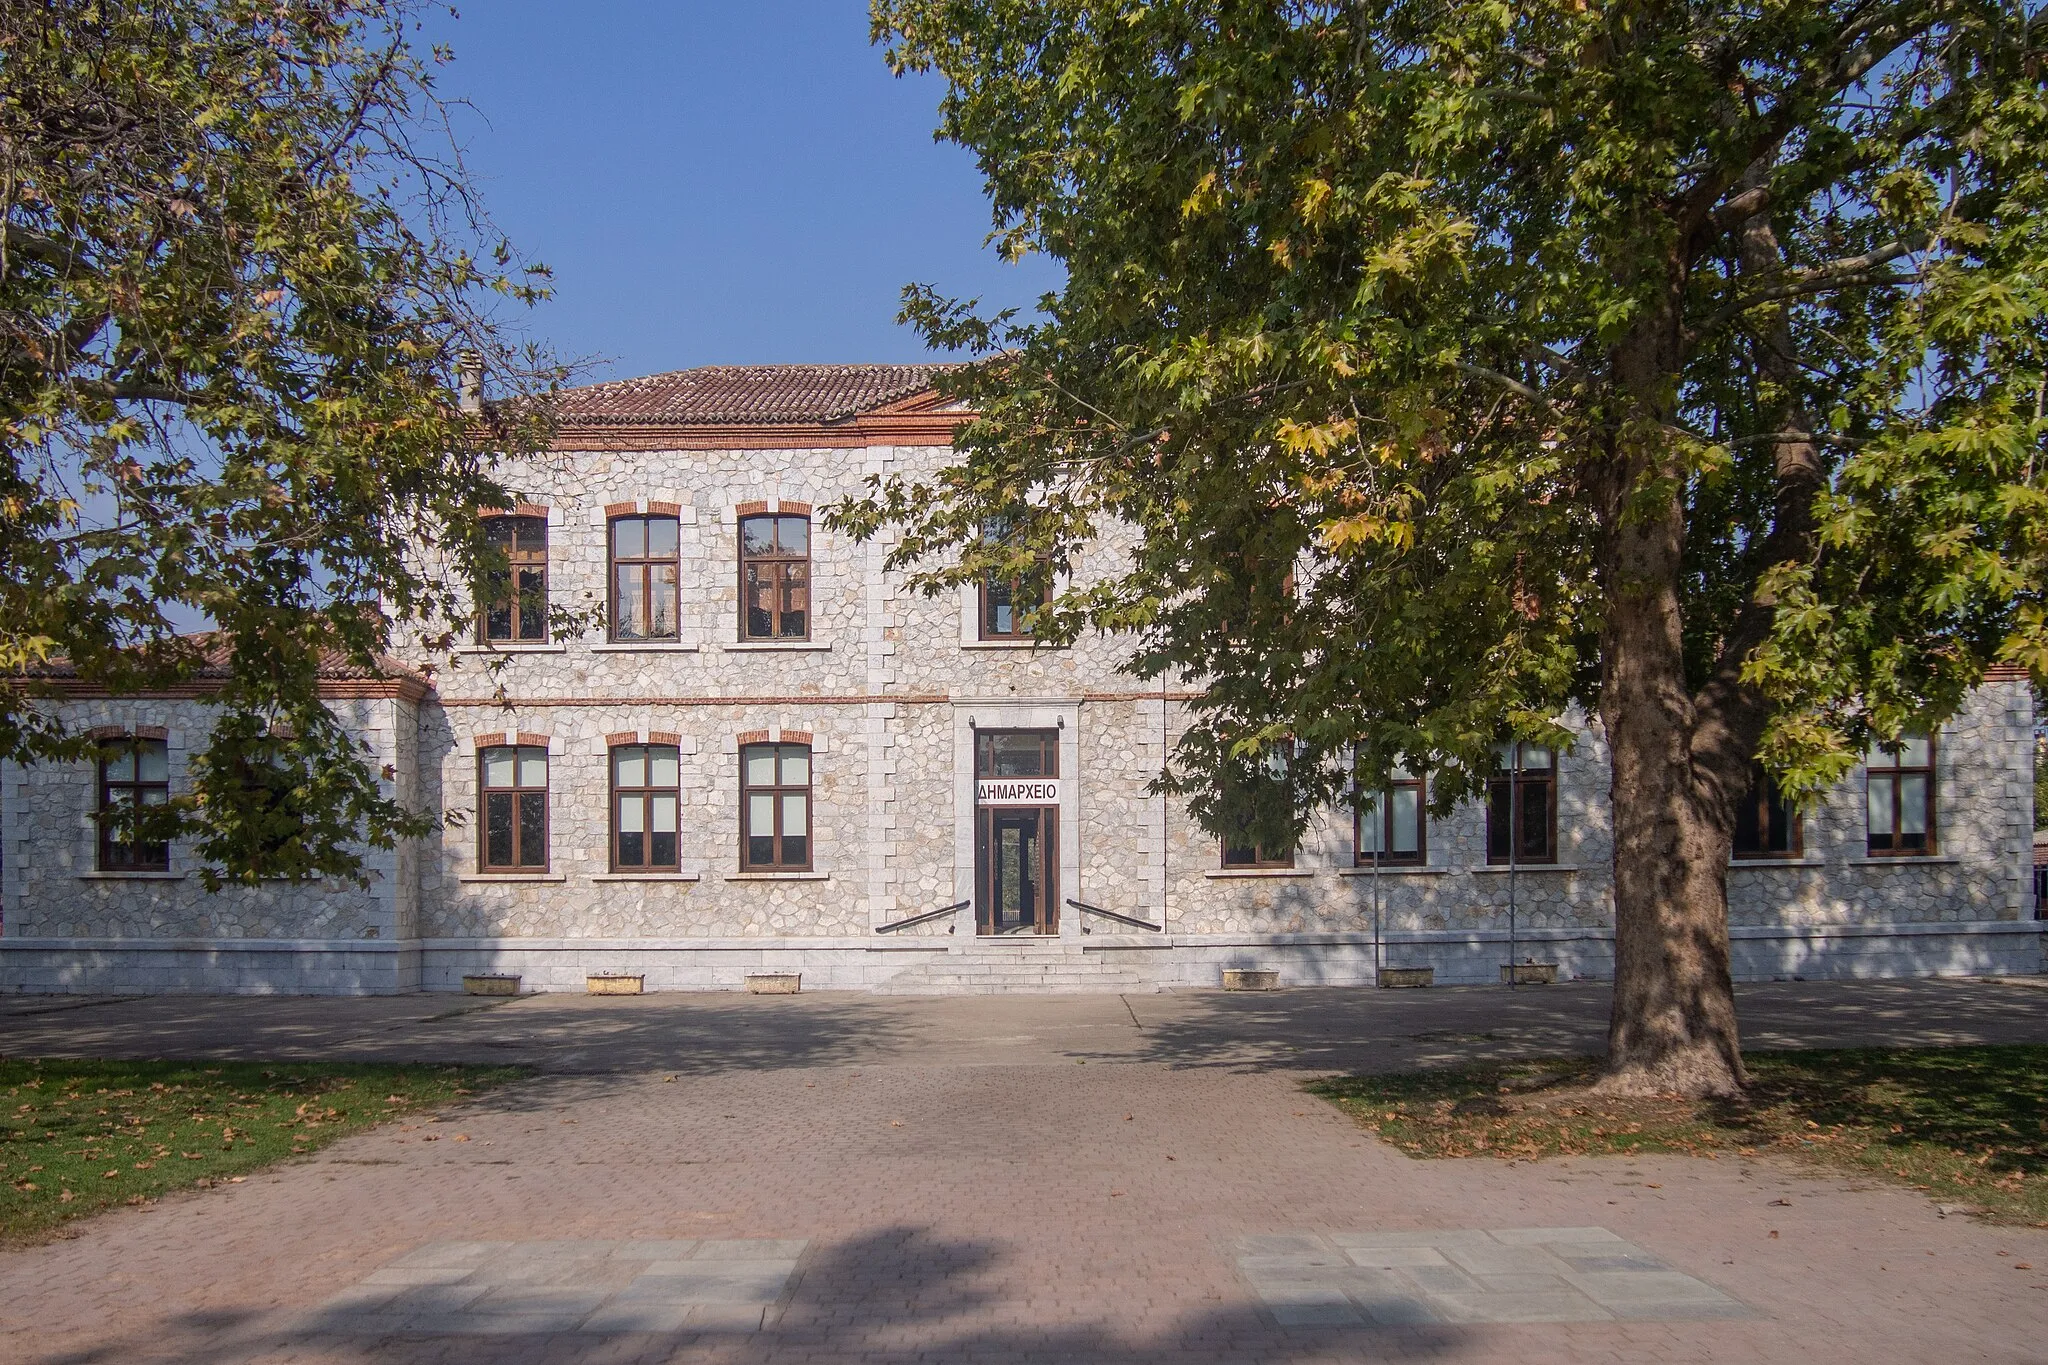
154,796
760,600
1535,758
796,813
1536,820
628,604
661,602
1497,798
533,829
757,536
498,532
663,767
629,537
1880,807
632,848
1913,751
1407,820
760,814
760,766
796,850
661,536
1370,822
498,767
533,604
661,849
533,767
629,766
154,760
632,814
796,766
662,814
1239,855
121,764
1913,808
795,602
793,535
498,830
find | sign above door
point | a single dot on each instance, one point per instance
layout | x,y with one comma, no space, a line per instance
1017,791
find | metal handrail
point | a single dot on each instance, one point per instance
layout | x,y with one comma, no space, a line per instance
921,919
1086,908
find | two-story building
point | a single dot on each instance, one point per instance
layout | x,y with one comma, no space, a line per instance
762,753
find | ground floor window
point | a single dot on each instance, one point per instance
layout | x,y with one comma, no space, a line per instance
646,807
1899,795
515,806
133,772
1388,825
1521,805
775,807
1766,824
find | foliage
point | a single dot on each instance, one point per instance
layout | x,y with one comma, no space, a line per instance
1965,1123
1394,333
81,1136
241,264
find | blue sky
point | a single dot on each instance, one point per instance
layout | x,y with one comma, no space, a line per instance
716,182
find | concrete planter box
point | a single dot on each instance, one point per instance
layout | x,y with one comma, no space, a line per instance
775,983
1394,977
1250,979
1529,974
490,983
615,983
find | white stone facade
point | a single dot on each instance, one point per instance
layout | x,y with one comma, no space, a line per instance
889,692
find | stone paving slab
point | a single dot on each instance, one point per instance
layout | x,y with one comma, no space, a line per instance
542,1287
1482,1275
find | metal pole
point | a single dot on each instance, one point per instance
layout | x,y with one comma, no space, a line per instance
1379,857
1514,838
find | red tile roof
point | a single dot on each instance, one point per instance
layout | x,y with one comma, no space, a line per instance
213,666
743,395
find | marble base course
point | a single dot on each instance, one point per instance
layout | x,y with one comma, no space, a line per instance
350,967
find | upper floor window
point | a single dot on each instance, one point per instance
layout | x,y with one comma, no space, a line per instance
1390,829
1004,603
133,772
516,597
775,807
1521,805
1900,796
1766,824
515,805
644,578
646,804
775,578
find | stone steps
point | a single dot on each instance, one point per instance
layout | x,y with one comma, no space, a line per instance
1014,969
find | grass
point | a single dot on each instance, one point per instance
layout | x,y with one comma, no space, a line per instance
80,1136
1967,1124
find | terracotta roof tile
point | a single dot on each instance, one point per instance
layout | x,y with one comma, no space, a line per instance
213,666
743,395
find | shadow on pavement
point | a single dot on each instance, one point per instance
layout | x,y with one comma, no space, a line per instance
896,1296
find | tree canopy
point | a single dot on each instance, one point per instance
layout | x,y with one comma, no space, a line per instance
1457,364
241,270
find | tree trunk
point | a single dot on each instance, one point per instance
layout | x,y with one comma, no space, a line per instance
1673,1026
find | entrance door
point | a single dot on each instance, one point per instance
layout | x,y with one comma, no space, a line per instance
1016,845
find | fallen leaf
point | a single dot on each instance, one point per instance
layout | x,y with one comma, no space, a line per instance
1774,1234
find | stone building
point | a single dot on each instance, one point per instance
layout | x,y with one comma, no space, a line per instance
763,753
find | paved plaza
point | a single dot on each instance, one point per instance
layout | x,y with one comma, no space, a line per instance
818,1178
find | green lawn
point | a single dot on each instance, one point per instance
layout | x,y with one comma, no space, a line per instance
1965,1124
80,1136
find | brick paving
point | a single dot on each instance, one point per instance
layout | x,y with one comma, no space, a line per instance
1008,1180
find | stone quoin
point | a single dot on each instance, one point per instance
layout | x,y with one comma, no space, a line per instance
767,756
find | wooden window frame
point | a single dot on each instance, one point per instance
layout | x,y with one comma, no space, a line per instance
646,793
1382,856
1890,766
782,562
1261,858
1541,779
521,559
985,609
1758,800
647,564
776,791
117,854
519,794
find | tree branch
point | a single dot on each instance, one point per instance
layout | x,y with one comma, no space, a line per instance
1847,272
